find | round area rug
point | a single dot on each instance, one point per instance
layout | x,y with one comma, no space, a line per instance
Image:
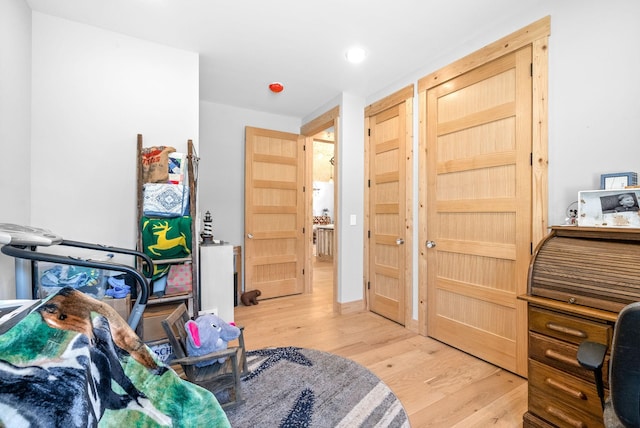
296,387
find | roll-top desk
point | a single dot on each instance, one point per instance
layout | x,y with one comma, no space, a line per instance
579,279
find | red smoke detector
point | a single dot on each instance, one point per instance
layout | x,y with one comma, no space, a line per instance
276,87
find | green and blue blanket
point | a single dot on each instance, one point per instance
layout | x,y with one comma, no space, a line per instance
74,362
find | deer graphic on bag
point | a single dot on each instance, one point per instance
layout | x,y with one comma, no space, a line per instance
160,230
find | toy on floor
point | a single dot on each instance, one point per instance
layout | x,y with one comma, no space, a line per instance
209,333
249,298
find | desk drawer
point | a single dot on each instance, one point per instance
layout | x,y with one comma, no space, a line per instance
559,387
571,329
562,356
559,413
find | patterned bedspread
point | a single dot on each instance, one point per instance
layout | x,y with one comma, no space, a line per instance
73,362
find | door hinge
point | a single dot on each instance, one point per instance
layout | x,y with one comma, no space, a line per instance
369,234
531,158
531,69
303,230
368,285
368,183
304,147
303,271
369,132
304,189
531,248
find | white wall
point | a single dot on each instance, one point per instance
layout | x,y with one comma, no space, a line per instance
15,108
351,199
594,112
72,99
93,91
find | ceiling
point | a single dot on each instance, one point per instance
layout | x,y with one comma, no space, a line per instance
246,44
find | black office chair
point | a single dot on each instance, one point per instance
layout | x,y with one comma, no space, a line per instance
622,408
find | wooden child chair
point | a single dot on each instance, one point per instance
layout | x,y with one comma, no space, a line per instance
217,377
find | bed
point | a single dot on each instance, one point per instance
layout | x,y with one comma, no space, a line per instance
72,361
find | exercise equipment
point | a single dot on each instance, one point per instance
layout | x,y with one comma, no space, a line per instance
24,244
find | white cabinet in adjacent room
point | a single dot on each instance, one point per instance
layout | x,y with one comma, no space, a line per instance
217,281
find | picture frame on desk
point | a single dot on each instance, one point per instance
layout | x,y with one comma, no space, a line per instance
609,208
618,180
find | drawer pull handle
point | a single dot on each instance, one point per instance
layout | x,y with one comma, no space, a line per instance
550,353
566,330
566,418
565,388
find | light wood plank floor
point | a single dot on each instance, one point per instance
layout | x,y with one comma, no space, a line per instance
438,386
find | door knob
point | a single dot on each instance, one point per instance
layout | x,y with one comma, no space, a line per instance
399,241
249,235
430,244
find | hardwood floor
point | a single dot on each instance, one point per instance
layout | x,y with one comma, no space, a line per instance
438,386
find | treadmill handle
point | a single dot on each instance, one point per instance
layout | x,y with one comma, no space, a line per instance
143,296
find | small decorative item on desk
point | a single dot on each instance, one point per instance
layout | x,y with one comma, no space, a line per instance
207,233
572,214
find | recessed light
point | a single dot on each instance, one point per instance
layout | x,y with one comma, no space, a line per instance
356,55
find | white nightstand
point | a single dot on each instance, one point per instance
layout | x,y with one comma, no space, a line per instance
216,280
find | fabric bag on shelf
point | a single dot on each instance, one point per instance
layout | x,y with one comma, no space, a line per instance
165,200
155,164
179,279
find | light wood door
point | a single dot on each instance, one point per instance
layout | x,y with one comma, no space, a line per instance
387,208
274,212
479,204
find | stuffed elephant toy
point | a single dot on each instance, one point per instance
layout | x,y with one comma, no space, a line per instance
209,333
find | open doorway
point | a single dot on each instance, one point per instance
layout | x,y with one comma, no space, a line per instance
322,208
321,272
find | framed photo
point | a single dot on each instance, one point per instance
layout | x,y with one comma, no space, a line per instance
618,180
609,208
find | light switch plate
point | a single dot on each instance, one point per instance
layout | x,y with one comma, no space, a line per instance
352,220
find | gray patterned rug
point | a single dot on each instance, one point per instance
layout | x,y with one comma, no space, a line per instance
296,387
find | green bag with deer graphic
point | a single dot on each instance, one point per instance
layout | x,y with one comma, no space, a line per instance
166,238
